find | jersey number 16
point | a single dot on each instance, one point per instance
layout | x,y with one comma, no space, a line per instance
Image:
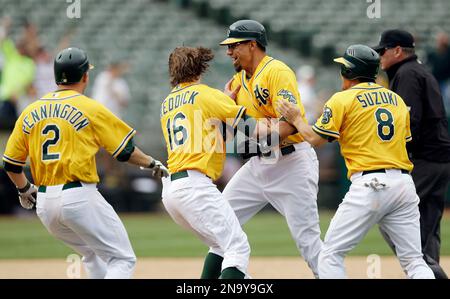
176,133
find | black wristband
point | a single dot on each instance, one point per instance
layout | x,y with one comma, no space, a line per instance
24,189
153,164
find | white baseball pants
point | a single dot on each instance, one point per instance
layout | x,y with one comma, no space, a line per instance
81,218
388,199
289,184
196,204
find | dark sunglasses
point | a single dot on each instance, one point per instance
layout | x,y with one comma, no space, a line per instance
382,51
233,46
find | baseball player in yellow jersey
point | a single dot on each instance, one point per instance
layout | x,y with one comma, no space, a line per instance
196,155
61,133
289,182
371,124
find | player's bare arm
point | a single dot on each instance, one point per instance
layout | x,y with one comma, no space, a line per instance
19,179
292,114
285,129
139,158
146,161
133,155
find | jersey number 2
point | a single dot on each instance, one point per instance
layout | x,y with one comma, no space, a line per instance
385,120
49,142
174,131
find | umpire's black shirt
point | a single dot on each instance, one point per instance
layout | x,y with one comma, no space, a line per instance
420,91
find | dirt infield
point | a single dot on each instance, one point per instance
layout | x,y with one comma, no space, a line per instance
170,268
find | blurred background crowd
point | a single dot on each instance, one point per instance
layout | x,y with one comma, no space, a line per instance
129,42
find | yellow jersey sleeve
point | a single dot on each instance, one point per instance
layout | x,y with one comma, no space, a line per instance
223,107
111,132
330,122
284,87
16,151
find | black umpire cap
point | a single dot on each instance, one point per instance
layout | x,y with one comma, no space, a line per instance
393,38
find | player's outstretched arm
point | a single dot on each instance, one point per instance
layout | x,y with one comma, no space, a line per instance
134,155
147,162
293,115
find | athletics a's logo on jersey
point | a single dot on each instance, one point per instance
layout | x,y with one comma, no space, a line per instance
287,95
327,114
261,95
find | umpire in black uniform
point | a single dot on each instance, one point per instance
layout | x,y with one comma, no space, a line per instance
429,149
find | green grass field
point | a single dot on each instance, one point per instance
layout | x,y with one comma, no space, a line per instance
156,235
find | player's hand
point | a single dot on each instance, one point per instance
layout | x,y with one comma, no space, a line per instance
289,111
229,92
158,169
27,196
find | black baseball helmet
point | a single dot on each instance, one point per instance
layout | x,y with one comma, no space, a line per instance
70,66
359,61
244,30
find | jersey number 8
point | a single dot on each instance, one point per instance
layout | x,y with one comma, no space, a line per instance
385,120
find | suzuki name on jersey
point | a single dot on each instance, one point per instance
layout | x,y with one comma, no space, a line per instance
177,101
377,98
67,112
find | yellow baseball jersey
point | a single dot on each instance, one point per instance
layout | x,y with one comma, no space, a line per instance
372,126
192,116
272,81
61,133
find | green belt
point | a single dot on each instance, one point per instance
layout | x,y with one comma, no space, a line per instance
70,185
179,175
